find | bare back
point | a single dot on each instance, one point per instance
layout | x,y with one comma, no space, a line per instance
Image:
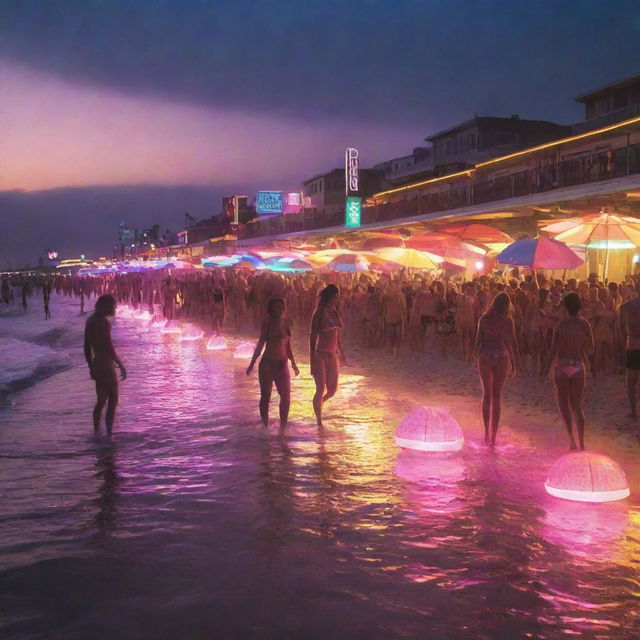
573,337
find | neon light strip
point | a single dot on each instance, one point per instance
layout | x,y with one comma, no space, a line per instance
588,496
540,147
419,445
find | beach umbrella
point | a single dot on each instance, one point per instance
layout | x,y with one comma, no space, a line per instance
476,232
411,258
603,231
381,239
600,231
348,263
290,264
540,253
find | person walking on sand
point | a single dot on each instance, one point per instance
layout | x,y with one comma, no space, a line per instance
497,356
102,359
325,348
630,327
274,368
571,346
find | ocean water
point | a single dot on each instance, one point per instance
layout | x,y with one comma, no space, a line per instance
195,522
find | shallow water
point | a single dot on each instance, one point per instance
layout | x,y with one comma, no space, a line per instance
196,523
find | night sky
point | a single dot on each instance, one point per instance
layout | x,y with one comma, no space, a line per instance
143,110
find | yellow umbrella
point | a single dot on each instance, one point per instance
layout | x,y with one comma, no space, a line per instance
411,258
323,257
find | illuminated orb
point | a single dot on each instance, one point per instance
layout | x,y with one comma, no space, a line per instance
191,334
169,327
216,343
124,312
587,477
142,314
429,429
244,351
158,324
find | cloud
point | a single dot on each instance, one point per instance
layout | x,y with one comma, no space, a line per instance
59,134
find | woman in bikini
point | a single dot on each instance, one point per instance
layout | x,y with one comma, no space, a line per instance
497,355
394,315
102,359
274,367
571,347
325,344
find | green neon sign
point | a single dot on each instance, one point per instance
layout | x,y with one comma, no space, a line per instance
353,211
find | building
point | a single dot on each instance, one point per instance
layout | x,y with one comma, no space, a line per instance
482,138
324,194
417,165
609,104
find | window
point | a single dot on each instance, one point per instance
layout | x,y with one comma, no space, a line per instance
447,148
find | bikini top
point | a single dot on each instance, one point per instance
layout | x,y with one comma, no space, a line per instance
330,320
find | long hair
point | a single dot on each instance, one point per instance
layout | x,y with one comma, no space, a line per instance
271,305
326,294
105,305
499,306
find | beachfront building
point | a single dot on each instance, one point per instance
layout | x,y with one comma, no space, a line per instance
528,183
609,104
404,169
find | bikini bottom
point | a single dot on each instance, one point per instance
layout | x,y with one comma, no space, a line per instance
568,370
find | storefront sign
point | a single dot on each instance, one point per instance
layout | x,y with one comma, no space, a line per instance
351,167
353,211
268,202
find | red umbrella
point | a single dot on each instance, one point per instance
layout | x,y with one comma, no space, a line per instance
474,231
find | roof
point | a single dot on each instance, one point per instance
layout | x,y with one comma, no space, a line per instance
489,120
608,88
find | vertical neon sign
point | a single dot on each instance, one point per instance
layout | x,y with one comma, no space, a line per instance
351,168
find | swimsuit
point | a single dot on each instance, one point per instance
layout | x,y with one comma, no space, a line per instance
569,368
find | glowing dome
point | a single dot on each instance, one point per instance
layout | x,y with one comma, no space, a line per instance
158,324
244,351
124,312
216,343
429,429
169,327
191,334
142,314
587,477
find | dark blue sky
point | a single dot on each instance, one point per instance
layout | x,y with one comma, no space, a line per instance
377,66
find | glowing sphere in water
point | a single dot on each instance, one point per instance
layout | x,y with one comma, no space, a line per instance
429,429
244,351
124,312
191,334
169,327
217,343
587,477
142,314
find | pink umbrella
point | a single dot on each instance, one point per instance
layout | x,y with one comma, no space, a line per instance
540,253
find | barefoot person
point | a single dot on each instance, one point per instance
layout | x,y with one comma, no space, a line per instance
273,367
571,344
325,348
630,325
102,359
497,354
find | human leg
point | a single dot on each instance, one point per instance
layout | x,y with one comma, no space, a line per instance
265,377
282,379
486,380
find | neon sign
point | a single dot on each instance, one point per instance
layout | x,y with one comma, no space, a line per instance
351,168
353,211
269,202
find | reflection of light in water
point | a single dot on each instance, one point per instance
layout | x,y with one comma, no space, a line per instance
588,530
191,334
158,324
141,314
429,429
244,351
587,477
216,343
431,481
123,311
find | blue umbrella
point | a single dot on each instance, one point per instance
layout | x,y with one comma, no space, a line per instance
540,253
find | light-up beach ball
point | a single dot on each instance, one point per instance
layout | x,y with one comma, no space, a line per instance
191,334
429,429
217,343
587,477
124,312
244,351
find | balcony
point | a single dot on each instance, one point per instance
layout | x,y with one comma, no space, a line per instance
498,180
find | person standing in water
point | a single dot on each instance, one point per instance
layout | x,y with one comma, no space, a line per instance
46,295
102,359
497,356
630,326
274,368
325,342
571,345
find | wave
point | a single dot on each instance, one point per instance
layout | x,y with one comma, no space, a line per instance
25,362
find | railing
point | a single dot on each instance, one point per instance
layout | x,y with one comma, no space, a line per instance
464,191
626,113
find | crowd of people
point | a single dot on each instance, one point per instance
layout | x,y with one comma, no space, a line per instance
506,323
